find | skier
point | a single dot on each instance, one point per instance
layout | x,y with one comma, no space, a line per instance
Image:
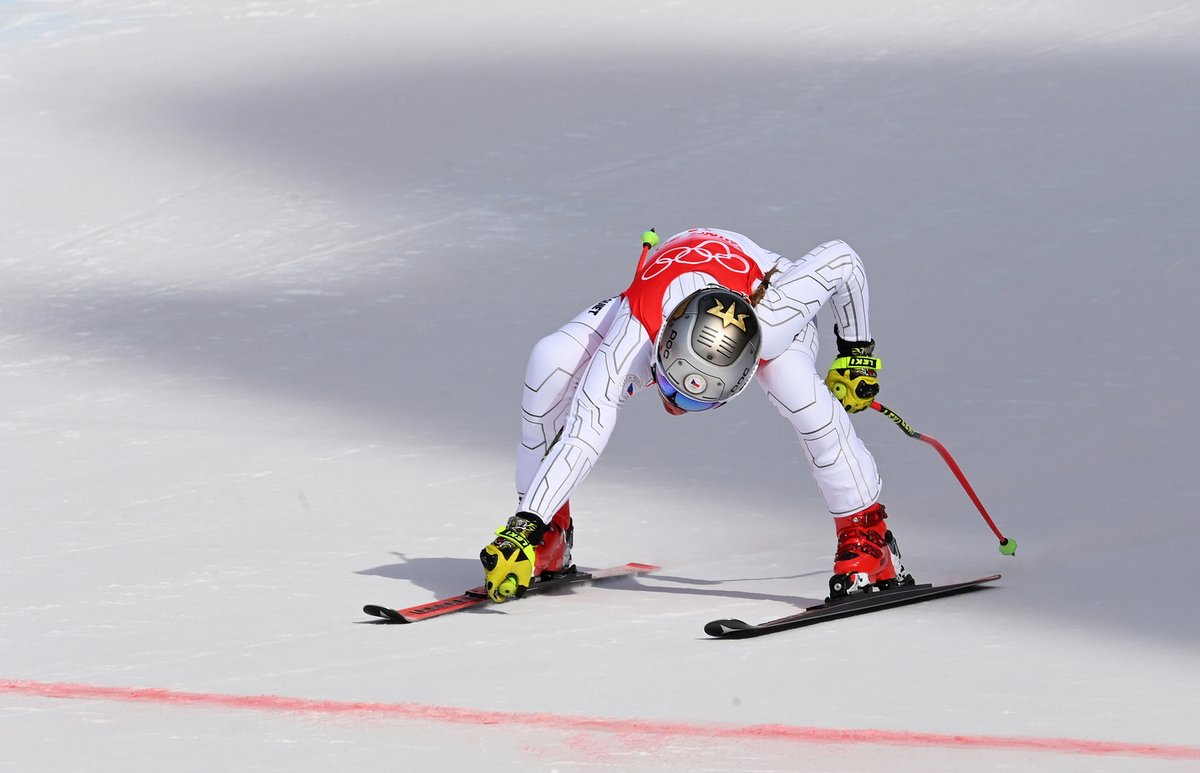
704,314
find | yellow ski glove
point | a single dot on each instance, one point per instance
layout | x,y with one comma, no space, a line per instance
854,375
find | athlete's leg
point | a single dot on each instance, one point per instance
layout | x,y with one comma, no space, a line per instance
843,468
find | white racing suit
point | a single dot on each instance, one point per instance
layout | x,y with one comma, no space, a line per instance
579,376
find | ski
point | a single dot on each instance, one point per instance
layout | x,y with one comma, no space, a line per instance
853,605
478,596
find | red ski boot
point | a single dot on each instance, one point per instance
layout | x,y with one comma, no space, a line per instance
554,554
868,558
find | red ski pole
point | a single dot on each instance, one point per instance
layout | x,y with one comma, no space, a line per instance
649,242
1007,546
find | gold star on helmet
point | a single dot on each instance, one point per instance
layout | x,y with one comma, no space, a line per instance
729,316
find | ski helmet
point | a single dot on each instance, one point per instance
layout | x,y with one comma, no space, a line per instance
707,349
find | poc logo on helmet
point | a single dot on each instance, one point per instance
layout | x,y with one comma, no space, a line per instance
708,346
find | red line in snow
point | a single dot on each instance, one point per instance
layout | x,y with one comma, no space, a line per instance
651,728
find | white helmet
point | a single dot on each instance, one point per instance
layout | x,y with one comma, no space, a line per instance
707,349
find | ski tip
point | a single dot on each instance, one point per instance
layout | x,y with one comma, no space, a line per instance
723,627
643,567
385,613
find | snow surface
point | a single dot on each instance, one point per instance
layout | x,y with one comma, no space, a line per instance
268,275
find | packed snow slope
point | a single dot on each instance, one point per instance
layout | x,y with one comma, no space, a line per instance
269,272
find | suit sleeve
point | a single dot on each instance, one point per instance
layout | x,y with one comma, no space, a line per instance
830,274
620,367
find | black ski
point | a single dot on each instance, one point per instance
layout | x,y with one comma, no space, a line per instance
855,604
478,596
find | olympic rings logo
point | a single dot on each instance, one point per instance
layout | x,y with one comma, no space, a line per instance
698,255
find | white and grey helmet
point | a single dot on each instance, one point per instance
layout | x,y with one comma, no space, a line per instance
707,349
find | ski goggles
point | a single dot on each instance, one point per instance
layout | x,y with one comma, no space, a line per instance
679,399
